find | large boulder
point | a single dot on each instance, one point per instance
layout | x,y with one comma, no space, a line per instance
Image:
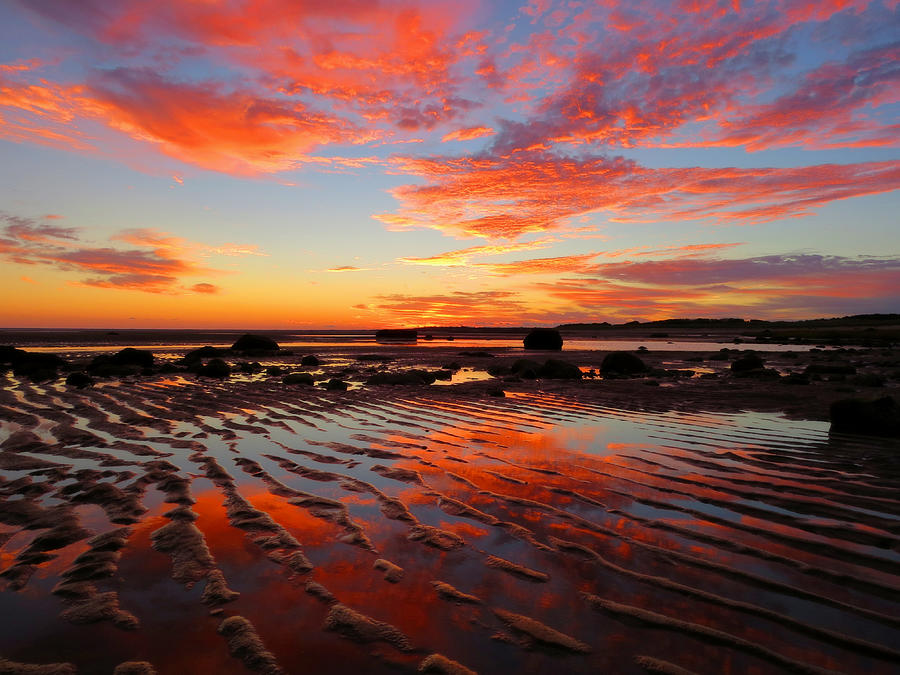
207,352
543,338
555,369
298,378
129,361
38,367
880,417
622,363
254,343
309,360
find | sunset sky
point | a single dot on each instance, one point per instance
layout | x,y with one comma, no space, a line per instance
354,163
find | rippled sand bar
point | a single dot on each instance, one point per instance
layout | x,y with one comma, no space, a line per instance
229,527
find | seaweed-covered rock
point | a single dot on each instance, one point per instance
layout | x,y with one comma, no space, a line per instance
880,417
129,361
543,338
79,380
555,369
254,343
309,360
335,384
206,352
298,378
134,357
622,363
747,362
9,355
36,367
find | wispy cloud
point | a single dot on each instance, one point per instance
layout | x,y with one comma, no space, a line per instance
159,264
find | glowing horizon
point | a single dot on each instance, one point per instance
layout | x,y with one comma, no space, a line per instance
352,164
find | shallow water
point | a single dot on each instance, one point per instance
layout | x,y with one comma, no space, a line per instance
716,542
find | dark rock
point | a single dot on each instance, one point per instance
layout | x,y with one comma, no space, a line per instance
622,363
134,357
250,367
275,371
309,360
478,355
298,378
443,374
204,353
129,361
556,369
79,380
336,385
9,355
880,417
215,368
747,362
35,366
543,338
254,343
453,365
499,393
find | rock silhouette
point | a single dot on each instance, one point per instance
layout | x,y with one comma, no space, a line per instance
622,363
543,338
254,343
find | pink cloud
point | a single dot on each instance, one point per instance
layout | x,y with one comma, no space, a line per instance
508,196
468,134
158,265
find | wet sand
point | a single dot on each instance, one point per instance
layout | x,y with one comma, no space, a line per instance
706,523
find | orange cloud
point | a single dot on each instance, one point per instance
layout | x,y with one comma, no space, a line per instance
468,134
486,307
562,264
158,265
461,257
508,196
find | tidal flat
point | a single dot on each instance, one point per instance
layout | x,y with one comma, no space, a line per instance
684,519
